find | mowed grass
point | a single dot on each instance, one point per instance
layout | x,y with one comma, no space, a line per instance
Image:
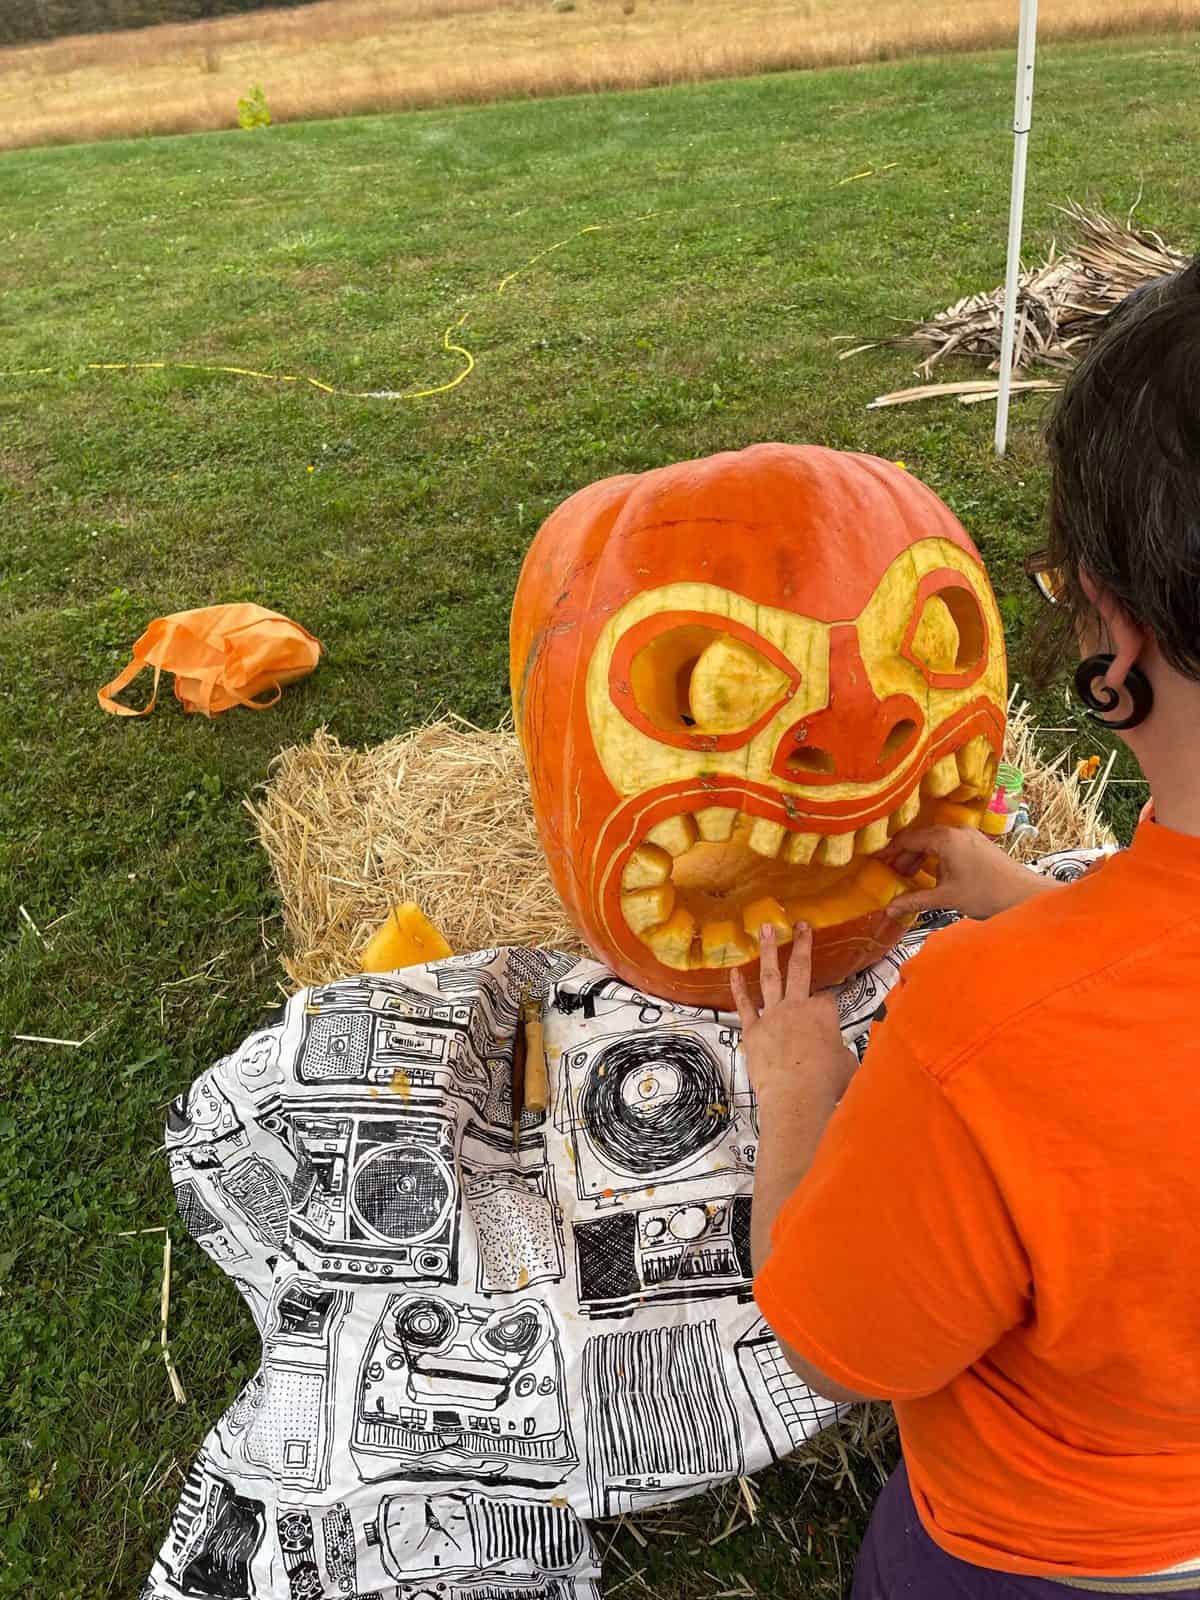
394,532
345,57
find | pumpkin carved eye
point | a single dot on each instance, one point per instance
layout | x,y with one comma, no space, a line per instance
695,681
950,637
732,686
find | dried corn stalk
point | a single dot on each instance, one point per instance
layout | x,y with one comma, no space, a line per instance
1061,304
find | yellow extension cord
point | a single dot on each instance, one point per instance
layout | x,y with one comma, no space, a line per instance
369,394
448,344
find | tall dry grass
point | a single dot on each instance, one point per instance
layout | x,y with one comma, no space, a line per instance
351,56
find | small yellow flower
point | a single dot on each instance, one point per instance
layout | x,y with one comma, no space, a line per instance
1088,768
311,468
903,467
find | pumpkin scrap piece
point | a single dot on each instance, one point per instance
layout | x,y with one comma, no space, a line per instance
724,944
672,940
767,910
881,885
406,939
952,814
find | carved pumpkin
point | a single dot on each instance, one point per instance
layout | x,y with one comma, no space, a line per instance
734,679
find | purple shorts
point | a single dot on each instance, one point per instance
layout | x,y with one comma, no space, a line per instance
899,1561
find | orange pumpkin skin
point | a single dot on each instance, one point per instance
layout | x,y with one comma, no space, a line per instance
836,701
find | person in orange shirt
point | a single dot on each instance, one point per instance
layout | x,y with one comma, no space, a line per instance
995,1222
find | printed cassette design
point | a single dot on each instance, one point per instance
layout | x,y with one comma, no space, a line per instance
376,1195
693,1250
453,1390
655,1106
379,1032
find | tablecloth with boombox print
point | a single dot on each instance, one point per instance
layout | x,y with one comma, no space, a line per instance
473,1344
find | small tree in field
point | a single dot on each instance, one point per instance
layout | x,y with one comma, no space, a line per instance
253,111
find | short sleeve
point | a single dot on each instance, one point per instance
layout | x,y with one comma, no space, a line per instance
895,1265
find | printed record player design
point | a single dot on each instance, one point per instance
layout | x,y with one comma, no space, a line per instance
474,1338
662,1129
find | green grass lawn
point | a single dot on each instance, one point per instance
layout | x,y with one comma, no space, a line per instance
394,532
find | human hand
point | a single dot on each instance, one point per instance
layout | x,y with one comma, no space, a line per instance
974,877
794,1048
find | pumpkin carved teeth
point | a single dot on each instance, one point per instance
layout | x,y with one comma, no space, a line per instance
835,850
905,813
716,823
799,848
941,779
871,839
700,884
977,765
766,838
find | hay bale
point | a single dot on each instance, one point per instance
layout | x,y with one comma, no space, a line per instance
442,816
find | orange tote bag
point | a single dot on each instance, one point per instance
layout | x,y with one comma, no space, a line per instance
222,656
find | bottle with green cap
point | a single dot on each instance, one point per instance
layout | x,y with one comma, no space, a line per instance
1001,813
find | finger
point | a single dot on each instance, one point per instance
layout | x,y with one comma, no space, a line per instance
910,905
747,1015
768,966
907,862
922,840
800,966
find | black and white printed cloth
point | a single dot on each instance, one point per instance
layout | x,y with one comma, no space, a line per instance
473,1344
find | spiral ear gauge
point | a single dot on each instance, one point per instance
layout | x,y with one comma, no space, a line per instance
1099,697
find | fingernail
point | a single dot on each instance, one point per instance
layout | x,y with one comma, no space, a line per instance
803,927
767,933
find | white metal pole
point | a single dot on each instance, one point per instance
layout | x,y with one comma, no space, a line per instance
1022,117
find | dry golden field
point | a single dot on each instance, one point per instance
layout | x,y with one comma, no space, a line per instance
347,56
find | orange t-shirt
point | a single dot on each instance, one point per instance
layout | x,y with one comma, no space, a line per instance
1001,1229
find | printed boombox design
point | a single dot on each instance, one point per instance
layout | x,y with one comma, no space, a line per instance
375,1195
663,1254
449,1389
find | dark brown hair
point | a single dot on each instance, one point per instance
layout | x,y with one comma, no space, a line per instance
1124,443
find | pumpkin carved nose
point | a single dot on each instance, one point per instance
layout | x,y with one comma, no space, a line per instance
857,738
